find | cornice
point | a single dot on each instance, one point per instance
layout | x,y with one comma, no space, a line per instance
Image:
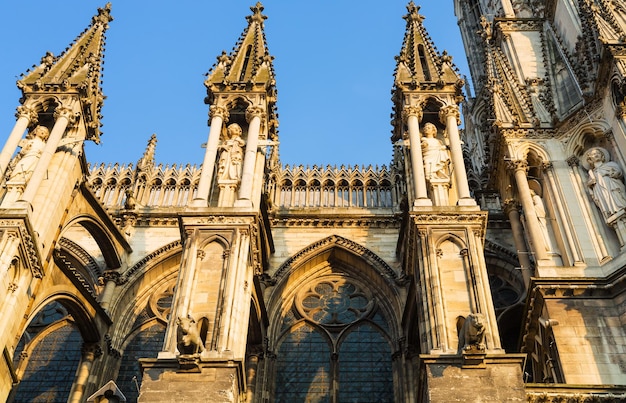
450,218
518,24
336,221
531,133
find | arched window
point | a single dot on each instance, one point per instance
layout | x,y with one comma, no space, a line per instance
334,345
47,356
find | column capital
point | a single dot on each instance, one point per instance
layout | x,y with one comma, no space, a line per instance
510,205
254,111
218,111
113,275
573,161
546,165
409,111
65,112
517,165
450,110
28,113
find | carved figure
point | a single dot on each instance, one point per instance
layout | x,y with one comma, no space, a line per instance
471,333
130,203
32,147
435,154
605,182
540,211
189,340
230,164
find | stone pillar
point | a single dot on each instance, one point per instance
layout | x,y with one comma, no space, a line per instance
183,294
253,116
574,252
413,115
511,210
111,278
449,115
217,114
252,364
536,236
90,352
25,117
64,116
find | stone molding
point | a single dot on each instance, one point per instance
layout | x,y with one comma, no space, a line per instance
157,254
336,241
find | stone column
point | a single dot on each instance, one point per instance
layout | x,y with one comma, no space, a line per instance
511,210
536,237
253,116
574,252
413,115
217,114
252,364
111,278
450,116
64,116
25,117
90,351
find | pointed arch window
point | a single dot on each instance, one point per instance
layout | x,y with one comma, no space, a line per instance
334,346
423,62
246,62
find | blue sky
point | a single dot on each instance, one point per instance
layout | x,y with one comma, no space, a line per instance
334,63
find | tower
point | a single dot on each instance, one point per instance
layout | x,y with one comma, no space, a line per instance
442,248
544,128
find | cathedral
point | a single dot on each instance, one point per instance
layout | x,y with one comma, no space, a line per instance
485,262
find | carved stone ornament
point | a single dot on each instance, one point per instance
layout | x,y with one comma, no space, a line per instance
471,333
605,183
24,163
189,336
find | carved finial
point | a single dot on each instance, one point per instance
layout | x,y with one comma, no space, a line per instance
148,156
413,14
257,16
104,16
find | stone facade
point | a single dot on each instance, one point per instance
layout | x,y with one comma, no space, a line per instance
483,264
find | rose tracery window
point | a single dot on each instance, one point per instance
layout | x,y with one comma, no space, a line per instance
334,302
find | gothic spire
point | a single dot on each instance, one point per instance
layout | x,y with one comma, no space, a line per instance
146,162
249,64
247,68
511,102
419,64
77,70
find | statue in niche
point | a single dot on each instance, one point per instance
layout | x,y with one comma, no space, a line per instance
435,154
605,182
471,330
32,147
231,159
540,212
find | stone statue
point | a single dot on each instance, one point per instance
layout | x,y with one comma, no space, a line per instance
32,147
435,154
471,333
605,182
230,164
188,336
540,212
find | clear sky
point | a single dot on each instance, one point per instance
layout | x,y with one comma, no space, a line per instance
334,64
